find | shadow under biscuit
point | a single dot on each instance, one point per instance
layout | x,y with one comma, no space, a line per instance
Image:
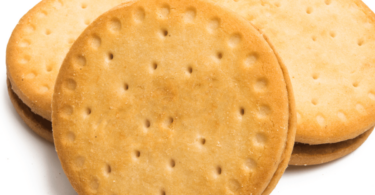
304,154
38,124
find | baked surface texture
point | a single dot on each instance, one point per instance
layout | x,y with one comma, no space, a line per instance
39,125
304,154
328,47
173,97
39,44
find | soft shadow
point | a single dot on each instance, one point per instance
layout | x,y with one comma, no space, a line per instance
291,170
303,169
56,179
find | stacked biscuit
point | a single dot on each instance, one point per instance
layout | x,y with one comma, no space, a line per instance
188,97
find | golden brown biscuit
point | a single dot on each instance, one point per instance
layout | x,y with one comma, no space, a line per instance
172,97
38,124
328,48
34,23
39,43
304,154
285,158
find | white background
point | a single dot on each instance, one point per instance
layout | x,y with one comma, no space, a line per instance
29,165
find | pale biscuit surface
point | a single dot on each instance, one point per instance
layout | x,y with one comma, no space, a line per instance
171,97
40,42
328,47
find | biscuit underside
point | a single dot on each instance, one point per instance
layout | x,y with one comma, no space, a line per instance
38,124
304,154
329,56
98,65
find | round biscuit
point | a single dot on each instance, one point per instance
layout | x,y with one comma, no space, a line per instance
40,42
177,96
327,47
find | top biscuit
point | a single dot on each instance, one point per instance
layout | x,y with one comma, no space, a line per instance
328,47
39,44
172,97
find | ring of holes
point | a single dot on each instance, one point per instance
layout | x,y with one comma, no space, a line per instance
147,123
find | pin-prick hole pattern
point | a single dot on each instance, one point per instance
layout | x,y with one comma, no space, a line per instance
172,163
167,124
147,124
154,65
202,141
163,33
137,154
242,111
108,169
88,111
190,70
219,170
110,56
126,86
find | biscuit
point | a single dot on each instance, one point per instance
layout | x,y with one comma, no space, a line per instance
173,97
39,44
328,48
39,125
304,154
285,158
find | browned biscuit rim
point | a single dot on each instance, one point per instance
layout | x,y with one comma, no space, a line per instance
304,154
285,158
38,124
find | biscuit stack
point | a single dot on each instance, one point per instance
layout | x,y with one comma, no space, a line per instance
188,97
